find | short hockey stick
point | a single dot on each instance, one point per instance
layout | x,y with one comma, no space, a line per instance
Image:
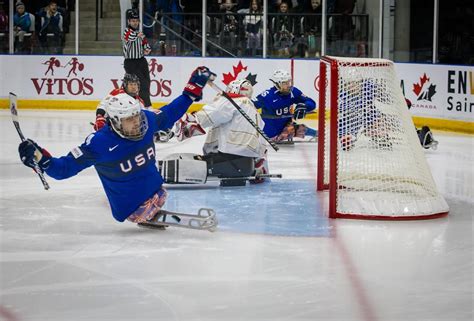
252,177
223,93
295,142
14,112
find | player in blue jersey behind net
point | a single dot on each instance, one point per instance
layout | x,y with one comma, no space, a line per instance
367,109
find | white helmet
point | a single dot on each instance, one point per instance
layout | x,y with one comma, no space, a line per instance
125,108
281,76
240,87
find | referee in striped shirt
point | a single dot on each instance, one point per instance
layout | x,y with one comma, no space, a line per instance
135,47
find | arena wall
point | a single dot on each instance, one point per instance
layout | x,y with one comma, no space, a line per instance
442,95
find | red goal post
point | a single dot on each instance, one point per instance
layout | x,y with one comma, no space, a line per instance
369,155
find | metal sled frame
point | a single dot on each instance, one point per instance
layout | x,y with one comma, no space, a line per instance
205,219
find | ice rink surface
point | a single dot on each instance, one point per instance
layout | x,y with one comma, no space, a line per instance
275,256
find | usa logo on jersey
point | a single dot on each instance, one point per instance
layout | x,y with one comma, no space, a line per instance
138,161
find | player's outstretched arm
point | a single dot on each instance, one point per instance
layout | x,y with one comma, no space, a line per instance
302,98
59,168
307,101
199,78
170,113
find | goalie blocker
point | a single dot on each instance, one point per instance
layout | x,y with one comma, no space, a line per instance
232,170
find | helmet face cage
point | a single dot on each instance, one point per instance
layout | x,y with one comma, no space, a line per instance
130,79
240,87
126,117
282,78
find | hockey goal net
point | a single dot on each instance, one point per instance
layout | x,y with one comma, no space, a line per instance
369,155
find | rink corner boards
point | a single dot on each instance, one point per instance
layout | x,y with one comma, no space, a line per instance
434,123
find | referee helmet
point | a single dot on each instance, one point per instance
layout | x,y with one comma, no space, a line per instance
132,14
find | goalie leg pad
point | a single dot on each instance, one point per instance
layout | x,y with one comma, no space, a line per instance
228,165
183,169
181,156
261,167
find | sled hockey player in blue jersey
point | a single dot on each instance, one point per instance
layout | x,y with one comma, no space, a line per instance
365,109
425,135
123,152
234,152
281,106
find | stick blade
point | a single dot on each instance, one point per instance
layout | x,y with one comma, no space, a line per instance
13,105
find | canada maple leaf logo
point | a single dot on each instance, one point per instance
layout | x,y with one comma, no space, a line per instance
428,93
236,70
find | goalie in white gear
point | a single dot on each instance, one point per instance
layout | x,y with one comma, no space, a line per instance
233,147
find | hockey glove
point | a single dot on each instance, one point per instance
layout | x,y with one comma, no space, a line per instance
197,81
31,153
163,136
100,122
187,127
300,111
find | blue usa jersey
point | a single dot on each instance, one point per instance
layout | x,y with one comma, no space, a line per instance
276,108
126,168
359,105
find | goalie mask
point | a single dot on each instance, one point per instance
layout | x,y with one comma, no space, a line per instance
240,87
131,84
282,81
126,117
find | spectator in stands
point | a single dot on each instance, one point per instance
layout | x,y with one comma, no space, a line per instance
176,8
243,4
274,5
297,6
192,19
35,6
342,31
228,34
51,31
3,18
22,26
312,23
253,28
3,28
65,7
283,30
148,11
312,27
162,5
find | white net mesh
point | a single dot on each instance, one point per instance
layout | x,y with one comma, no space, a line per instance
381,167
